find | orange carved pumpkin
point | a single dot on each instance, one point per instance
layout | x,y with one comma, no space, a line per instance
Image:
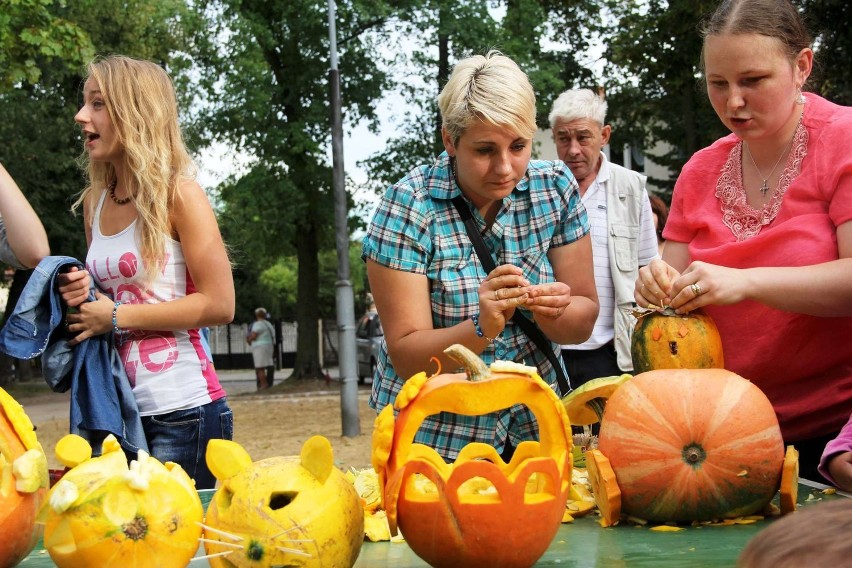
692,445
23,482
666,340
511,522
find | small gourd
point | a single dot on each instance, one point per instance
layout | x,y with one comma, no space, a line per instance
663,339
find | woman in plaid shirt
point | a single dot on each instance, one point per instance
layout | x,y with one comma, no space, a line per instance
429,286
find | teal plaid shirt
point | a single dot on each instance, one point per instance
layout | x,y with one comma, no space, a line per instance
416,228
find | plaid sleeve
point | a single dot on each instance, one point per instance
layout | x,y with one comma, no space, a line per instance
398,236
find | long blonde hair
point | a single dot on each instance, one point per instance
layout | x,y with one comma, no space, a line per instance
140,98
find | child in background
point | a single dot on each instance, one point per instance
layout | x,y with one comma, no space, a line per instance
836,462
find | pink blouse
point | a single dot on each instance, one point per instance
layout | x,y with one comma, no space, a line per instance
803,363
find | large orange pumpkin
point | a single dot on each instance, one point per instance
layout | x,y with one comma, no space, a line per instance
513,521
664,339
23,482
692,445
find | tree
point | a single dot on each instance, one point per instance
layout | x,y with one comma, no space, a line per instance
655,90
831,23
44,47
545,38
267,94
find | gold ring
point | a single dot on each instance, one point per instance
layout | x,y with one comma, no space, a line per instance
696,289
497,295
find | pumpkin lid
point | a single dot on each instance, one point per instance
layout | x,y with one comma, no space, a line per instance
580,402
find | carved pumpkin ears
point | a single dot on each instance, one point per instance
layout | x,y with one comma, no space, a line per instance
226,459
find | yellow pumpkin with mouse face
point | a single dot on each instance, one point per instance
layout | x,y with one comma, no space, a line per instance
281,511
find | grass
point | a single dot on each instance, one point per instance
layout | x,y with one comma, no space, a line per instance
29,389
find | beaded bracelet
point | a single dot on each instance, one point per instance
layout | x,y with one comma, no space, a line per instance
478,329
115,328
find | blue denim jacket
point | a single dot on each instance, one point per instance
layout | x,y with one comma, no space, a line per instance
102,401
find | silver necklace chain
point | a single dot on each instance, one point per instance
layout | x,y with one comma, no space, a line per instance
765,185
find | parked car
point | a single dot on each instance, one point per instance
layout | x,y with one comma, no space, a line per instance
368,336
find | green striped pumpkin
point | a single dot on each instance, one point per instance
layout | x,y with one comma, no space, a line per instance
666,340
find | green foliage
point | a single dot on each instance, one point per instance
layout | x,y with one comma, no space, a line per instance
655,91
44,46
545,38
33,33
831,23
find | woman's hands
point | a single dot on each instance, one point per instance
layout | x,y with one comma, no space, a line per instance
503,290
92,318
660,284
74,286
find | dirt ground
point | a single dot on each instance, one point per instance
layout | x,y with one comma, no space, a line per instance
270,424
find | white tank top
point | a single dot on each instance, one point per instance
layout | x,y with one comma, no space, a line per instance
168,370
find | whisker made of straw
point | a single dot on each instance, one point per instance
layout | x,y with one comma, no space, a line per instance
221,543
217,531
294,551
226,553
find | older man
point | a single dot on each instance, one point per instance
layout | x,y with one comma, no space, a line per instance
623,237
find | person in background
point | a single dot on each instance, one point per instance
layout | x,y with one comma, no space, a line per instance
816,535
622,232
759,234
661,213
429,285
261,337
156,254
836,462
23,241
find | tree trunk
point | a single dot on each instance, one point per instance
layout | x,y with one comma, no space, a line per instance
308,365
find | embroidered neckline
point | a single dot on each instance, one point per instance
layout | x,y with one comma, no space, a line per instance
742,219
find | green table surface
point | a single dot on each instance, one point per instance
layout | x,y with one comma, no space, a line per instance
584,544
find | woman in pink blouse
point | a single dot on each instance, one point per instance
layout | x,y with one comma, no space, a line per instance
759,232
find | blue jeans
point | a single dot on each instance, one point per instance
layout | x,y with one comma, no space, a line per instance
181,437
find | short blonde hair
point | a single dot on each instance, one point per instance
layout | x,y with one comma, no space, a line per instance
142,105
491,88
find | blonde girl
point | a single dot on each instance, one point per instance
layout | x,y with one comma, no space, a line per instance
156,254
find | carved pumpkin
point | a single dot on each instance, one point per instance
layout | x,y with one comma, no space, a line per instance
690,445
443,520
105,513
23,482
666,340
281,511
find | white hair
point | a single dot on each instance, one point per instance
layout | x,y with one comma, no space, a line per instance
576,104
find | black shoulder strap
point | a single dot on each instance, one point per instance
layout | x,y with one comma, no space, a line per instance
528,326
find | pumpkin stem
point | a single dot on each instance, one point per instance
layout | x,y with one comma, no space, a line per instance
694,455
135,529
473,366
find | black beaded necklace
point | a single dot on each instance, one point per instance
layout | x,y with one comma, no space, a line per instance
112,196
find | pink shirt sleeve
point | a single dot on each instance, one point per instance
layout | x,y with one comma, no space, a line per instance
842,443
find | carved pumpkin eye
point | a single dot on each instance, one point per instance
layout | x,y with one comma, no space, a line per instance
280,500
224,497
